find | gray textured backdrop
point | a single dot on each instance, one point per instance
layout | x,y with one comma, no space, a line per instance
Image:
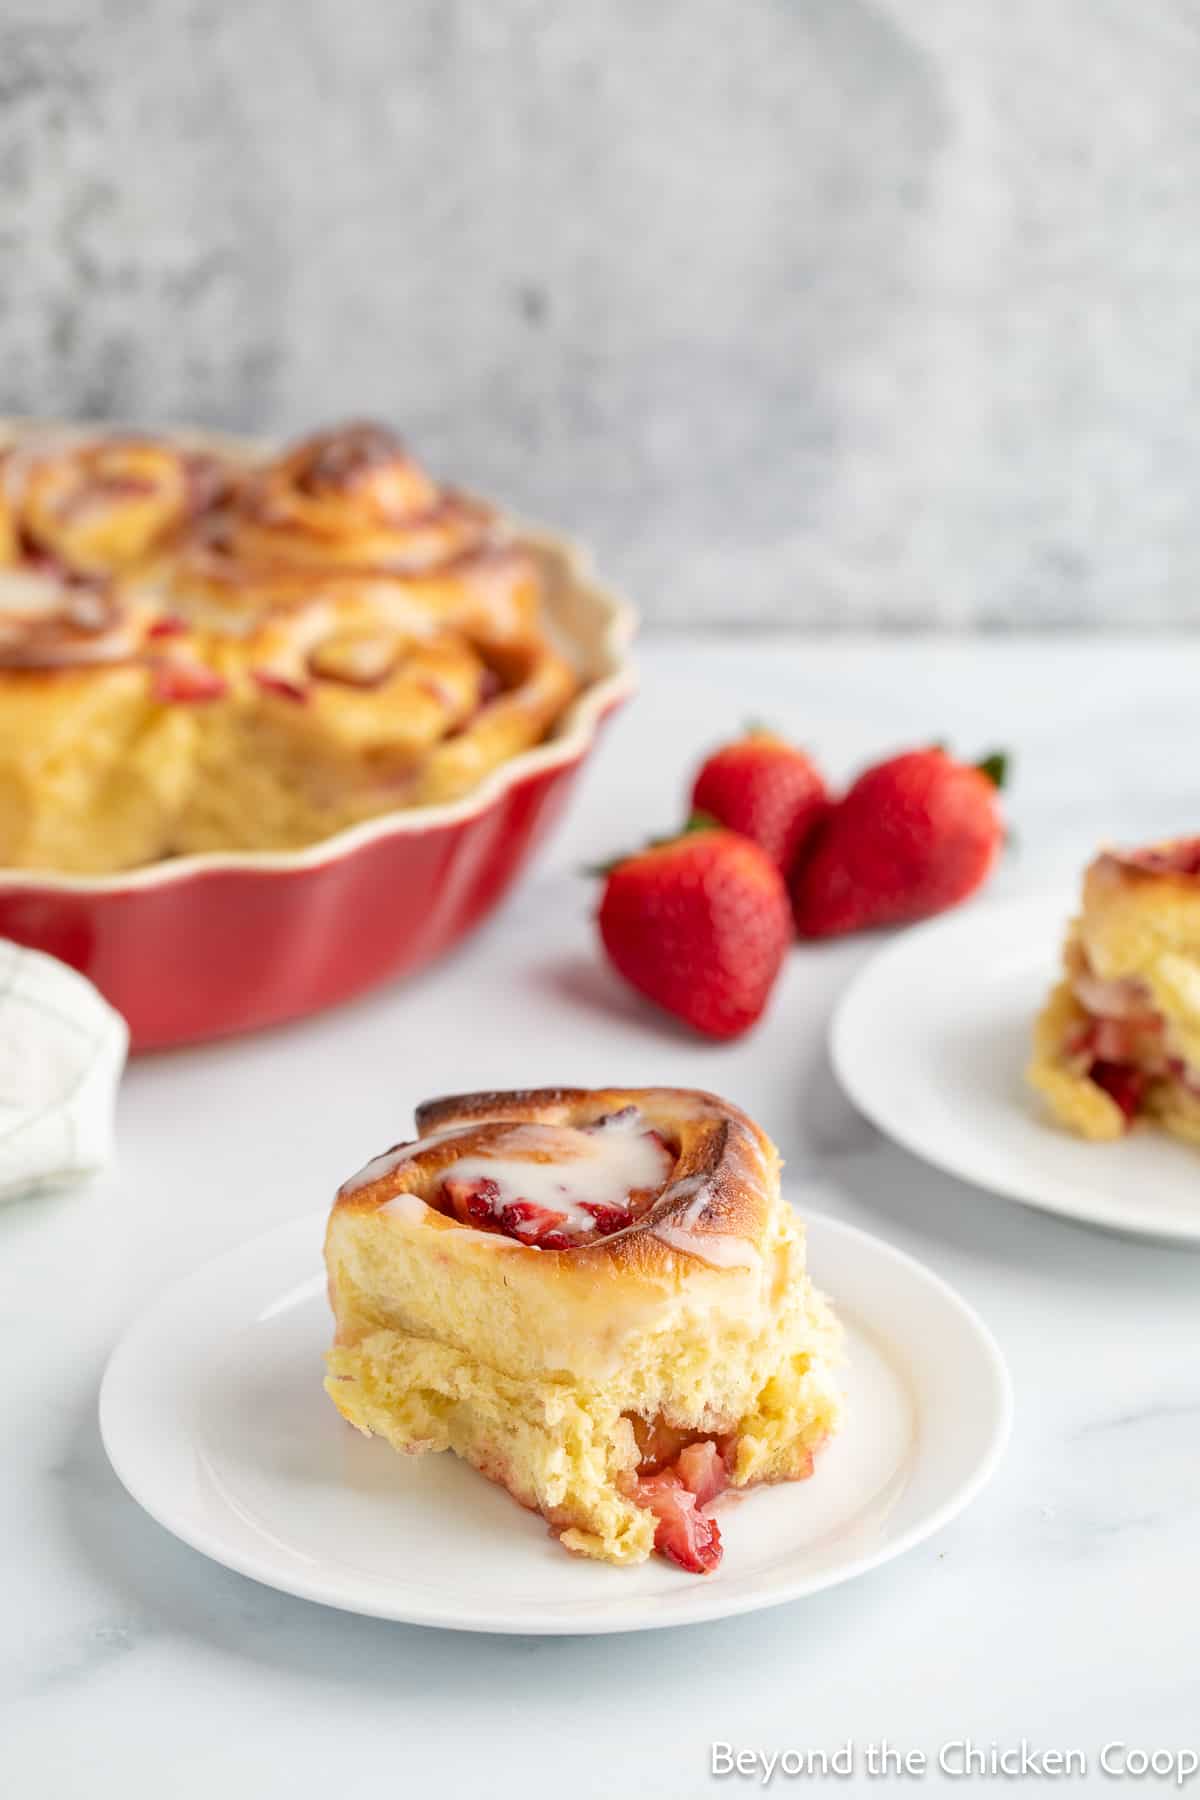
814,311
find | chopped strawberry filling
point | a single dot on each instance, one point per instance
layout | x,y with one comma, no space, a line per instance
480,1202
187,681
587,1193
658,1443
608,1218
170,625
1179,858
1120,1044
474,1202
534,1224
272,683
675,1496
1185,1074
1125,998
702,1471
1121,1082
1106,1040
683,1534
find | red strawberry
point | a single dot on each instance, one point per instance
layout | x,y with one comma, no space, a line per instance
700,925
766,789
913,836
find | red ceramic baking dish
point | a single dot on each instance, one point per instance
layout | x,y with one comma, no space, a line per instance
200,946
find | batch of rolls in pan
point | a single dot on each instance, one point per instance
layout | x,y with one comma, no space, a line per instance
206,648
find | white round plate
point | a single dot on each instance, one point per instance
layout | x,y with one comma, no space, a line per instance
931,1040
214,1417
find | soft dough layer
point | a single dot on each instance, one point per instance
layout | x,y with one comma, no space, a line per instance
547,1370
1119,1036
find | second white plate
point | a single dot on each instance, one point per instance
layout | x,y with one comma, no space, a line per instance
213,1415
930,1041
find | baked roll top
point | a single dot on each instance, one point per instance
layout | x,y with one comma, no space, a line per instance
592,1210
225,652
47,623
353,498
99,506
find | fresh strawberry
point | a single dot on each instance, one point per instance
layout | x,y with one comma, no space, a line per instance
700,925
913,836
766,789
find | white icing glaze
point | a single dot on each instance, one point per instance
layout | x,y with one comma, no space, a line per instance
602,1166
392,1159
28,594
596,1168
406,1206
720,1249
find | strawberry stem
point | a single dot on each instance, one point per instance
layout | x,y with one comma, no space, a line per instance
697,821
995,766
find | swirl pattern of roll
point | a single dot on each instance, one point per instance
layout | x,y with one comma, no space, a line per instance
597,1298
211,652
351,502
93,507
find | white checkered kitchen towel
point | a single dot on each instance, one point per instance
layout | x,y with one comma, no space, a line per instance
62,1049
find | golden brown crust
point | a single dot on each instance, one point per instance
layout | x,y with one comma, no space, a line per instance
1174,860
352,497
47,625
716,1202
94,506
345,636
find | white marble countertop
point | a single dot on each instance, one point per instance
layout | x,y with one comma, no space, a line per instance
1061,1608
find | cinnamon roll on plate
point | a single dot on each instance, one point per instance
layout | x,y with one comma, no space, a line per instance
598,1299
